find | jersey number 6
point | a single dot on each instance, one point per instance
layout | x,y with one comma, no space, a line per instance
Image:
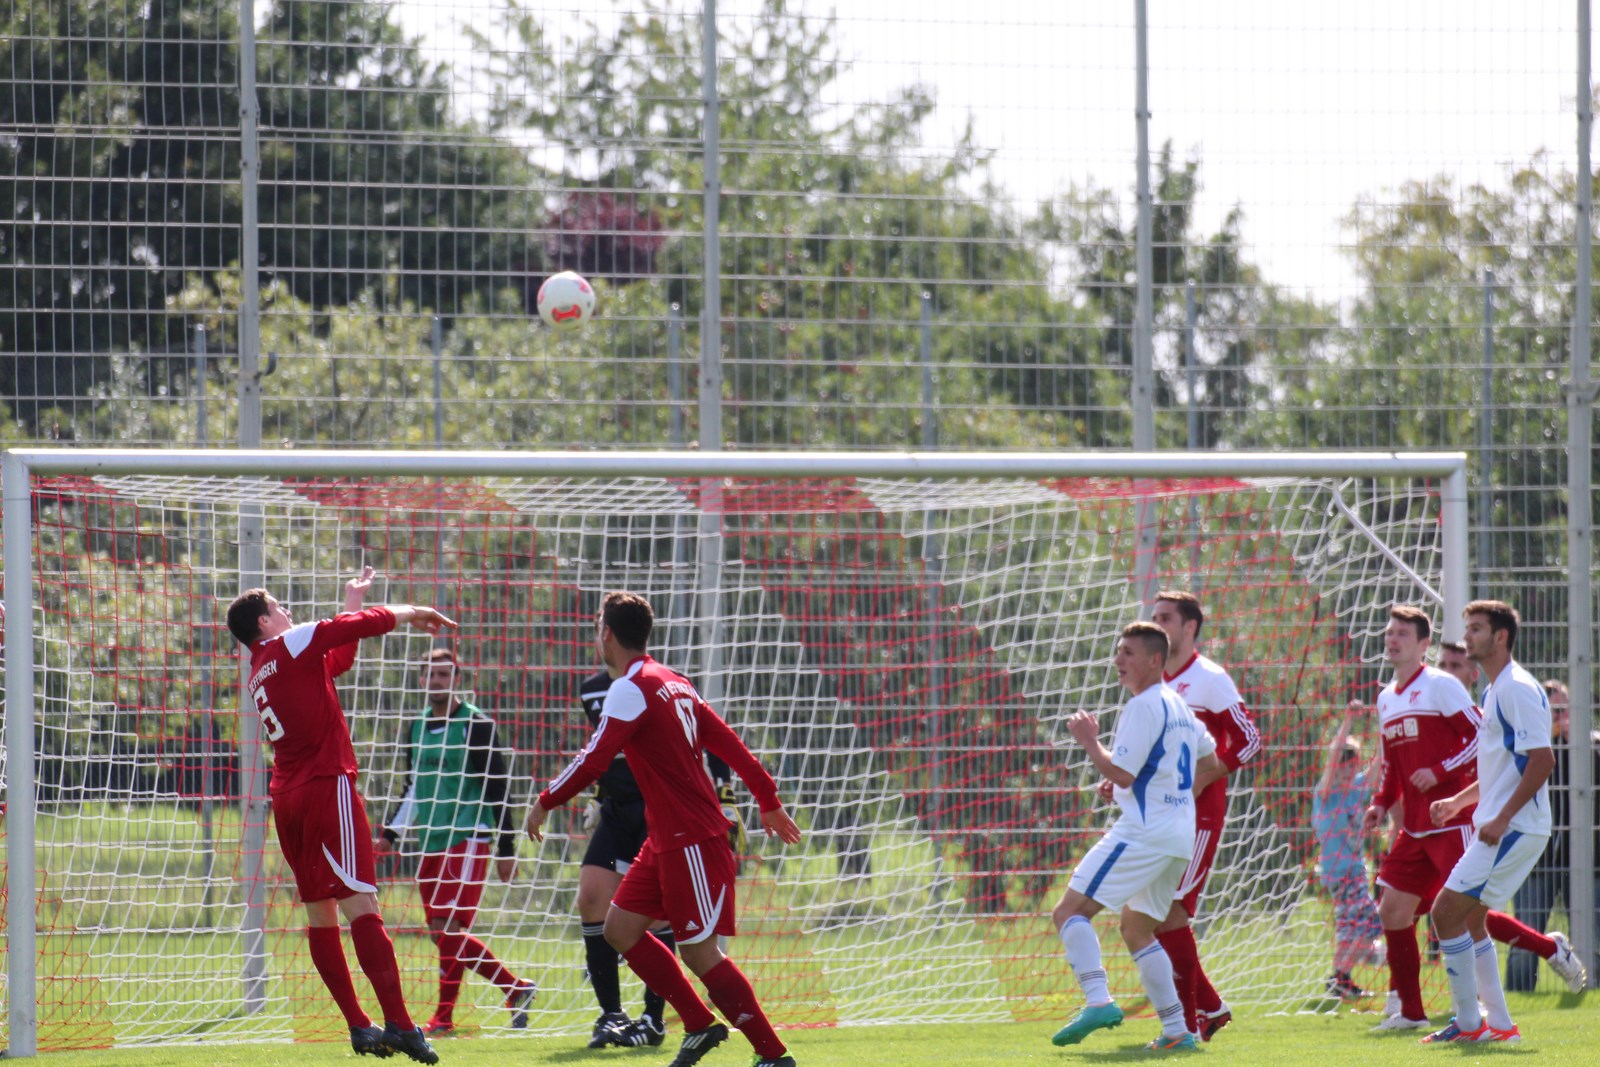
269,718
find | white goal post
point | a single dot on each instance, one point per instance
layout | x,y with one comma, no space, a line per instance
918,478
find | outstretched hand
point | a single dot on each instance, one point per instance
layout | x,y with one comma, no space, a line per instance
431,621
779,825
355,590
535,822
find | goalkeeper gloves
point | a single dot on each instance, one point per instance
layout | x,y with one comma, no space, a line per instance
591,816
730,811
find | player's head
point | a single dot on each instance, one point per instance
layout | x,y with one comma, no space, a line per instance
1349,758
625,620
1180,615
1560,706
1491,630
256,614
1141,655
1453,659
1406,637
440,668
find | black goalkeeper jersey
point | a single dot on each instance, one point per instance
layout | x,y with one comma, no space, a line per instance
617,783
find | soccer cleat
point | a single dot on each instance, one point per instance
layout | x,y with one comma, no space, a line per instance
1093,1017
1398,1022
368,1041
517,1002
413,1043
1510,1037
437,1027
645,1030
1211,1022
1342,986
698,1044
1173,1042
1567,964
609,1028
1451,1033
781,1061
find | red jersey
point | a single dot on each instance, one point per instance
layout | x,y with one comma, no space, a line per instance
1215,701
291,682
1428,722
654,717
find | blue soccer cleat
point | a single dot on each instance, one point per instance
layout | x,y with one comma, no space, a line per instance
1091,1018
1174,1043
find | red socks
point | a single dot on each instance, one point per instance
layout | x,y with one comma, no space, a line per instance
457,952
1405,970
1185,956
327,954
658,969
1509,931
375,953
731,992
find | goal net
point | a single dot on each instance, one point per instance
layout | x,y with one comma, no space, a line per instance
901,652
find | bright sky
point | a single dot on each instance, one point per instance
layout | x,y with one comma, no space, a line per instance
1297,110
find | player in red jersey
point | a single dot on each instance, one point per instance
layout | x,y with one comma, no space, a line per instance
684,871
320,818
1215,701
1429,728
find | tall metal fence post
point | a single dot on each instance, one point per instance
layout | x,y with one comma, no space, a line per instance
1486,439
933,555
252,558
1580,533
711,540
1191,365
1144,382
208,685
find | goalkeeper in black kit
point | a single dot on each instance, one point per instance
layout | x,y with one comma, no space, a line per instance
616,824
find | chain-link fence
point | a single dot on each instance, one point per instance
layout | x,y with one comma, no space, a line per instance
1363,231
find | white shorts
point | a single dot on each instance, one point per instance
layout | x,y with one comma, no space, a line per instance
1494,873
1115,874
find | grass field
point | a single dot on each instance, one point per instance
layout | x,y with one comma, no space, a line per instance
1561,1029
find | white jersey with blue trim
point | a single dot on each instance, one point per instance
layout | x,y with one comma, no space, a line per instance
1158,741
1516,720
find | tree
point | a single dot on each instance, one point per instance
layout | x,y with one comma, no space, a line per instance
122,158
833,226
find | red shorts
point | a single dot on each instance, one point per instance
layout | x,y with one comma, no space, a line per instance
692,888
1419,865
452,881
323,831
1199,869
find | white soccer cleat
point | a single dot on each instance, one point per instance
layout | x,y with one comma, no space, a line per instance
1567,964
1397,1022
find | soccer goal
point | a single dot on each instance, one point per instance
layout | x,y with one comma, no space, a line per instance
900,638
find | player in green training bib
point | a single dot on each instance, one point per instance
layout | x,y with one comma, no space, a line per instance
455,809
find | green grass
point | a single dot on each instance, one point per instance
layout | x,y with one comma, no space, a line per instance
1560,1029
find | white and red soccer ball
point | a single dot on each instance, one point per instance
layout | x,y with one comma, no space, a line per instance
566,300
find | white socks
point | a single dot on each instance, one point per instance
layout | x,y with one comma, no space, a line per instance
1486,963
1155,971
1462,968
1083,952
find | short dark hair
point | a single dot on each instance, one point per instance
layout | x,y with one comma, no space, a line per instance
1416,617
1153,637
1503,618
441,655
1188,606
1453,646
244,615
630,618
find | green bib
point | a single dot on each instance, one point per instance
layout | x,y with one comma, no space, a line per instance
447,803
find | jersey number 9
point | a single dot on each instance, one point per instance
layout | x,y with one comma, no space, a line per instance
1185,768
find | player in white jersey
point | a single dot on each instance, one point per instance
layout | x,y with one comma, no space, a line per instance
1511,824
1158,751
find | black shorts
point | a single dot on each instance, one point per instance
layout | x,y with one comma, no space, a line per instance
617,837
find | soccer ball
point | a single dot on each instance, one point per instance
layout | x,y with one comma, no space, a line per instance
566,300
